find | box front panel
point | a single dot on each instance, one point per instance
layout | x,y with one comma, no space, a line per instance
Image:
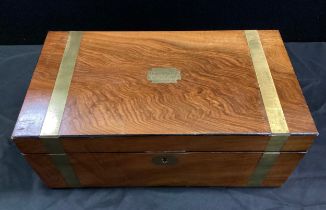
166,143
166,169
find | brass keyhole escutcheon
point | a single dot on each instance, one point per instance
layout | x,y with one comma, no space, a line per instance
164,160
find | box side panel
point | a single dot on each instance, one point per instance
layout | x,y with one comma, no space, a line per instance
232,169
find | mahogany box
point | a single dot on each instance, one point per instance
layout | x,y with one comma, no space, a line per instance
165,108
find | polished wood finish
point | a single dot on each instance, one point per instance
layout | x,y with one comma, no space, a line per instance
111,74
294,106
115,120
166,143
37,99
191,169
47,171
282,169
110,95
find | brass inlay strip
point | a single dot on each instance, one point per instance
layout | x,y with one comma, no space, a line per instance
265,164
62,163
273,108
52,121
268,91
276,143
53,145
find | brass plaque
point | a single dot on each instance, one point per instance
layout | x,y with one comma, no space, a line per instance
163,75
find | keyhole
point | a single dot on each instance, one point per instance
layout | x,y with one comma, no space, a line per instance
164,160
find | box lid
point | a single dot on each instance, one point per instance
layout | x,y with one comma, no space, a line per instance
163,83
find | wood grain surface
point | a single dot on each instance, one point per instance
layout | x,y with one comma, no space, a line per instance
47,171
110,83
294,106
33,111
165,143
212,120
191,169
110,95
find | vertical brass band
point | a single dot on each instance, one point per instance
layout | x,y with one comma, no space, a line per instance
276,143
268,91
273,108
52,121
62,163
264,165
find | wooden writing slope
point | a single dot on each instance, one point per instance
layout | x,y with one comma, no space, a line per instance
190,108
